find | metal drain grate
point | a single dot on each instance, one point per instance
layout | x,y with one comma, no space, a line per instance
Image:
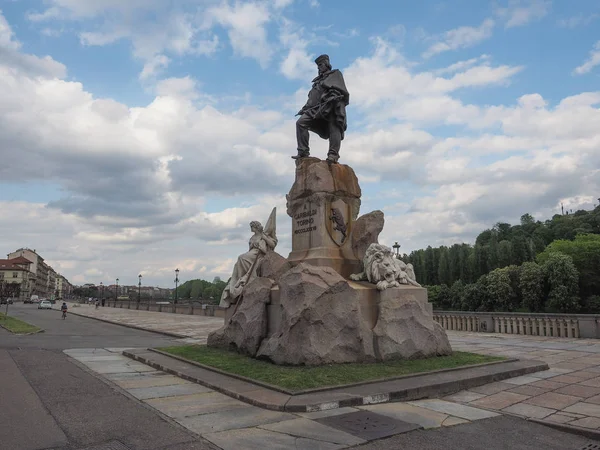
368,425
110,445
590,446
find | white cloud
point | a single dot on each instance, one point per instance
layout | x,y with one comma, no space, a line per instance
7,36
280,4
298,63
592,61
461,37
245,23
183,87
578,20
175,182
175,31
387,87
12,58
153,66
521,12
460,65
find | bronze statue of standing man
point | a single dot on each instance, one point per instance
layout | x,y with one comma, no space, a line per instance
324,112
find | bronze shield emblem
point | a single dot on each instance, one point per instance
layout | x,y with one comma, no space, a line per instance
338,221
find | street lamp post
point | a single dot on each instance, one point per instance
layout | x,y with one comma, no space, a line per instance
116,292
396,247
176,282
102,294
139,289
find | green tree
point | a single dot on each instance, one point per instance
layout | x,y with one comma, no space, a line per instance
505,255
499,292
473,296
531,284
520,250
457,295
527,220
430,266
585,252
562,279
196,291
443,273
492,253
440,296
433,293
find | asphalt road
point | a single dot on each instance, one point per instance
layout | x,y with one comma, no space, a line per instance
497,433
75,332
48,401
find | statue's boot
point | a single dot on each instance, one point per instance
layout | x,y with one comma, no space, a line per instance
301,154
332,158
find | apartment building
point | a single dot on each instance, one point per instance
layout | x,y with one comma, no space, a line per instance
17,270
64,289
43,279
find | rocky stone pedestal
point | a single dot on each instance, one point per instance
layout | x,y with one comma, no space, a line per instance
314,316
305,310
324,203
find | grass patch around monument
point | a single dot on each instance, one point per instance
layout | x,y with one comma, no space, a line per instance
17,326
298,378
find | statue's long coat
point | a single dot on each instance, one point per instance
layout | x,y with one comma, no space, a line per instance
319,110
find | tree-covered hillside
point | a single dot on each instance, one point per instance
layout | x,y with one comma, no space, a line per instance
518,267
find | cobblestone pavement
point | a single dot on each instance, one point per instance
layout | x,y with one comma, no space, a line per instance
568,393
195,328
231,424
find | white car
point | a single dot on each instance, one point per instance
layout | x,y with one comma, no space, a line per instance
45,304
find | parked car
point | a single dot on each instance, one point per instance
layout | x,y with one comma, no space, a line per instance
45,304
5,301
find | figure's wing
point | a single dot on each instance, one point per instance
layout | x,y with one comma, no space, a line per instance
270,228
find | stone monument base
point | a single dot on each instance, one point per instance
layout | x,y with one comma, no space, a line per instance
369,299
314,316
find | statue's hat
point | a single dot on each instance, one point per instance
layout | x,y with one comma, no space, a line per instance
322,58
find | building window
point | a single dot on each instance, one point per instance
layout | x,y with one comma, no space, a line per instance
1,275
15,274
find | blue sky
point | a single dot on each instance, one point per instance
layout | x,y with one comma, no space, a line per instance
149,132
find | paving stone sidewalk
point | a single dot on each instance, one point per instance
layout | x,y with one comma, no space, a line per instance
194,328
567,393
232,425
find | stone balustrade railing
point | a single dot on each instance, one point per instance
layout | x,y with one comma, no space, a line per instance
533,324
169,307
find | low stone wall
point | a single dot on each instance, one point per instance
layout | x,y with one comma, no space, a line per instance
190,309
533,324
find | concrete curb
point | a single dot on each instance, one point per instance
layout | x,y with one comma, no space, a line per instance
41,330
22,334
279,401
573,429
328,388
136,327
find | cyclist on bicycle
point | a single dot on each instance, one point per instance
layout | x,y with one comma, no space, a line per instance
64,308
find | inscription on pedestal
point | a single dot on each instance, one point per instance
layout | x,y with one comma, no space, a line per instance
305,222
